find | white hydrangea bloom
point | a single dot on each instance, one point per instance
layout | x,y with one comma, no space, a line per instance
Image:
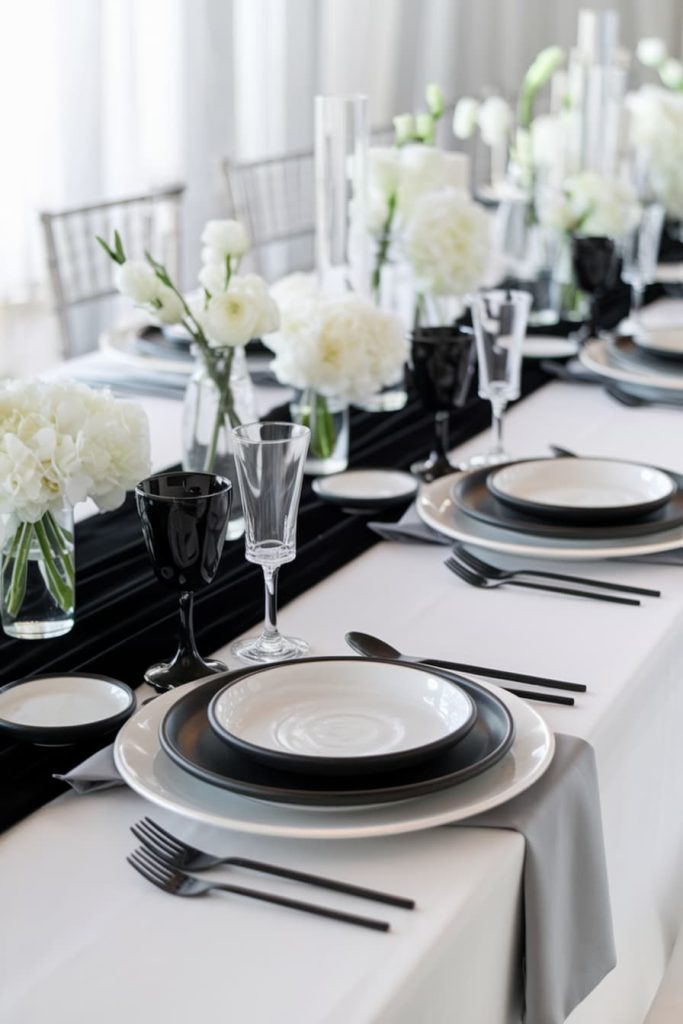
448,243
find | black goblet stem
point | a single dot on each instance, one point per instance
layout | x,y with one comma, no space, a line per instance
441,423
187,647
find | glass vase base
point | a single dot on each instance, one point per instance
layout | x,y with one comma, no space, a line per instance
166,674
37,630
325,467
389,400
262,650
488,459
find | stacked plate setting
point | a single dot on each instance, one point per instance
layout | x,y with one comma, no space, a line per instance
333,747
563,508
647,364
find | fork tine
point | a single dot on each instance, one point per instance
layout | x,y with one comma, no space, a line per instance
147,836
155,866
149,843
142,870
165,836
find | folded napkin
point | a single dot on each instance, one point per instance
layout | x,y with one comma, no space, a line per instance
96,773
568,935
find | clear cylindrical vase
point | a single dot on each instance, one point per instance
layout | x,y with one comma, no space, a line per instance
328,420
208,418
37,582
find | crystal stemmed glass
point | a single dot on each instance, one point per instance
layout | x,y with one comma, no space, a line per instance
595,267
442,364
184,518
270,459
499,318
639,249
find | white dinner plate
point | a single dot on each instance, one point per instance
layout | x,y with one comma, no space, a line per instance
341,717
548,346
437,509
120,345
366,488
667,341
63,707
582,487
595,356
146,769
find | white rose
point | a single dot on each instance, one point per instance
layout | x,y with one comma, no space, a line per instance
230,317
212,277
448,243
137,280
168,306
495,120
227,237
651,51
671,73
465,117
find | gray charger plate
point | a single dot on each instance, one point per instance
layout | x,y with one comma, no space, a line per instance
624,351
472,496
188,739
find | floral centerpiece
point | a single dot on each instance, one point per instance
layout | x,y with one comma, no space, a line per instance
227,311
656,138
593,205
60,443
335,351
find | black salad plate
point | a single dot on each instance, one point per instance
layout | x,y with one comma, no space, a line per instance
188,739
472,496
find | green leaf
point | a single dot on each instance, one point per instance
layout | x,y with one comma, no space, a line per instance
118,244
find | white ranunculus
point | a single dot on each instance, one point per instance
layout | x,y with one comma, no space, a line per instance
230,318
495,120
404,126
137,280
224,237
651,51
212,277
465,117
671,73
342,347
448,243
171,309
61,441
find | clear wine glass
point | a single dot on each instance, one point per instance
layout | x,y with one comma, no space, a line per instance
639,250
499,318
270,459
184,518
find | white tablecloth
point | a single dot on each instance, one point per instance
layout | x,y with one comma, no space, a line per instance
83,939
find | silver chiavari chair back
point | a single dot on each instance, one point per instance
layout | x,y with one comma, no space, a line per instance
79,271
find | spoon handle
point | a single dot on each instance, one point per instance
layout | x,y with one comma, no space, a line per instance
515,677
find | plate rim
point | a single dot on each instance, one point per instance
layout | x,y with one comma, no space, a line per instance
603,369
581,512
356,502
340,765
291,821
590,551
66,733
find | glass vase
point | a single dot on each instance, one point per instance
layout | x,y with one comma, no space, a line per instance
328,420
528,254
37,582
393,290
210,410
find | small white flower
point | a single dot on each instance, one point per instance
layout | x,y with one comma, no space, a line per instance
465,117
671,73
434,97
224,238
168,306
212,277
495,120
545,64
231,317
404,126
137,280
424,127
651,51
448,243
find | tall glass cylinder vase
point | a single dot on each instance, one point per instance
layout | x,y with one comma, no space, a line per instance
327,418
37,581
341,186
210,412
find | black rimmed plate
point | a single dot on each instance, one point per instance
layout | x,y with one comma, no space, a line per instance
581,490
341,718
188,739
64,708
366,488
639,354
471,495
664,343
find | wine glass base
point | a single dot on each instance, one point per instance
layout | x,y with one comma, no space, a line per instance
167,674
432,468
261,650
488,459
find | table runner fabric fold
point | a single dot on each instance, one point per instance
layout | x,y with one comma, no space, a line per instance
568,933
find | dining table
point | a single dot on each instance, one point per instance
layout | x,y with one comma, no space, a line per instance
83,938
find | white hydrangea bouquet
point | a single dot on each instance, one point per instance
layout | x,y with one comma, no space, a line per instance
417,199
60,443
335,351
591,204
226,312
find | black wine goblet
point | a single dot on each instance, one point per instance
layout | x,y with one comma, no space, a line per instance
595,268
442,364
184,518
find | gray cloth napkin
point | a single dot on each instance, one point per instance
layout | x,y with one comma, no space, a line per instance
96,773
568,934
411,530
568,937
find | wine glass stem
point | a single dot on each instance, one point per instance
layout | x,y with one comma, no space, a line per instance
441,420
497,410
270,575
187,644
636,301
